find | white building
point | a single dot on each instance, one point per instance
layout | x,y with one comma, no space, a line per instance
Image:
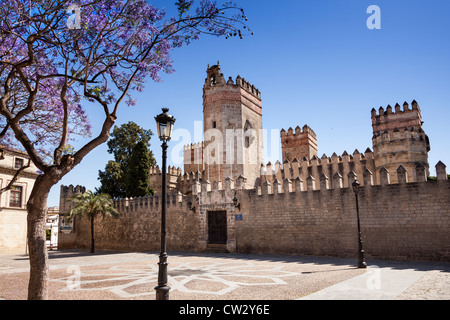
13,213
52,227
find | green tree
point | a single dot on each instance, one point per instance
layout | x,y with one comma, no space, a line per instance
137,181
90,205
121,144
124,138
112,180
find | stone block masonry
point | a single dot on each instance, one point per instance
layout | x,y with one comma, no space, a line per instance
398,221
303,206
404,221
138,228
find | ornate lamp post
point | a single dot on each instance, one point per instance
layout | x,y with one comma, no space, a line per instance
361,260
164,123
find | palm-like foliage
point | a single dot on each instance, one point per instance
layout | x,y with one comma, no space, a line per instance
91,205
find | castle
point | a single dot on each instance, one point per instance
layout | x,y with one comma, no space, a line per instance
229,200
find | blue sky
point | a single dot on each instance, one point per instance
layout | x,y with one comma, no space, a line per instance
315,62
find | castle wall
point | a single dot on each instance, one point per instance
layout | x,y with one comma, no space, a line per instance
398,221
406,220
138,227
328,166
68,238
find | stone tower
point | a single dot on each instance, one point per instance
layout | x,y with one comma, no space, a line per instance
299,144
399,139
232,123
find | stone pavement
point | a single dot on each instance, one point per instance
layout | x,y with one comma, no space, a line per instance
79,275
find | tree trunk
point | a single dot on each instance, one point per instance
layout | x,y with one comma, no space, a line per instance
36,223
92,234
37,212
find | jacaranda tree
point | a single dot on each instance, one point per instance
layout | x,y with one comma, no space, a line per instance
53,67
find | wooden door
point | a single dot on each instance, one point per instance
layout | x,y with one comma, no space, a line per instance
217,227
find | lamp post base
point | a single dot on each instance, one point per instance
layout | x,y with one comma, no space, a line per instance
362,260
162,293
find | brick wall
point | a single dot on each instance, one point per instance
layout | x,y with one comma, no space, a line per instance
399,221
406,220
138,228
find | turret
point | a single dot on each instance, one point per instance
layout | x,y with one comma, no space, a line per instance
299,144
399,139
232,122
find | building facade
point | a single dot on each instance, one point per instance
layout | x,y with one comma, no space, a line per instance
13,213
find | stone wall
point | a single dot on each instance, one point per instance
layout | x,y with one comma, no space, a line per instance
138,227
398,221
406,220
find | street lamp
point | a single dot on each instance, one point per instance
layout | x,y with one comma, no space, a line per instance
361,260
164,123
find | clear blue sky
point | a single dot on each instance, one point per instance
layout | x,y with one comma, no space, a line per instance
316,63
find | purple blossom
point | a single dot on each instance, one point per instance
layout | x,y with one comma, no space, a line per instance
96,63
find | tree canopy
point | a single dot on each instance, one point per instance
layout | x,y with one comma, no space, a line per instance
128,174
137,180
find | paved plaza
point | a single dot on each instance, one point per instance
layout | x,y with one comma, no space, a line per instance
79,275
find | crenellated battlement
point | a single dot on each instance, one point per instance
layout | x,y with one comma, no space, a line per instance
152,204
250,88
315,167
171,170
299,132
397,117
397,109
399,138
193,155
301,143
215,192
193,146
155,176
279,184
67,192
71,189
229,90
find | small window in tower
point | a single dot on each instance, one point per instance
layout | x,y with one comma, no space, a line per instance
247,142
214,124
213,80
248,132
